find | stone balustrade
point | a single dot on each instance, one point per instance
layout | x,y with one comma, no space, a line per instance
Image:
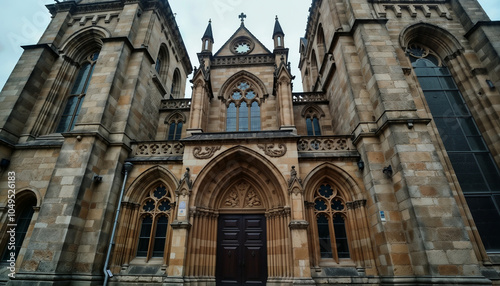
182,103
157,149
325,144
308,97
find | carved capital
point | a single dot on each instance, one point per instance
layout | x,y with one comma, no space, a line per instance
180,224
199,153
298,224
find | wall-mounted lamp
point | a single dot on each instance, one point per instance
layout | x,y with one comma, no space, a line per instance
361,165
97,178
410,124
388,171
490,84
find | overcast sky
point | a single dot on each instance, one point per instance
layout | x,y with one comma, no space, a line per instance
22,23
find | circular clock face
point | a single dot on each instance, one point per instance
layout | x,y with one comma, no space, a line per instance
242,48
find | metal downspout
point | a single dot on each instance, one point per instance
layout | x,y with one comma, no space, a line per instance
127,168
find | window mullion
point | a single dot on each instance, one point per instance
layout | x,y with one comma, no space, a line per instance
332,236
151,239
249,106
237,118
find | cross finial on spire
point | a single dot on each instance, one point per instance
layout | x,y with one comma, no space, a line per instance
242,16
276,17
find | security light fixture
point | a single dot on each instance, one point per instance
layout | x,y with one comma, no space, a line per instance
361,165
388,171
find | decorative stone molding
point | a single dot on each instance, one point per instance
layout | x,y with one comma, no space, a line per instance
311,144
381,9
243,60
175,104
242,196
158,149
93,18
199,153
272,151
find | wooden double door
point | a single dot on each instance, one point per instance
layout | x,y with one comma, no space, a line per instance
241,250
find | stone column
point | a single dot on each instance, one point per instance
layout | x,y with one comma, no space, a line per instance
298,228
285,103
180,228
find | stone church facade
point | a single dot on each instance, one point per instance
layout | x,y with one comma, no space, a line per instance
384,171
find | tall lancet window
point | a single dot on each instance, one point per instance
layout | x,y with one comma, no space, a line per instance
471,159
77,94
155,214
330,212
243,109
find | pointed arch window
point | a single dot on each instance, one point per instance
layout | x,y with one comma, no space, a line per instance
312,114
175,91
330,213
243,109
24,214
155,214
175,123
77,95
469,155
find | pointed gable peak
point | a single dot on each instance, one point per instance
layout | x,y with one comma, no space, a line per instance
242,42
277,28
208,32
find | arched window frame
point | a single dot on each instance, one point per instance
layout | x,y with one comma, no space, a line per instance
175,124
312,115
155,206
246,107
461,137
320,43
329,193
26,203
175,91
77,94
162,63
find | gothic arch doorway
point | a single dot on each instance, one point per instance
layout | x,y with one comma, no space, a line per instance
240,220
241,236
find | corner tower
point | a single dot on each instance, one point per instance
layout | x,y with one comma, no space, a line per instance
97,79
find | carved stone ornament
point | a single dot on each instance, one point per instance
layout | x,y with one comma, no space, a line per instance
199,153
232,200
272,151
294,183
185,184
242,196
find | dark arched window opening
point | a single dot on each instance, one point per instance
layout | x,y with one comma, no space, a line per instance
174,131
176,85
77,95
471,159
24,214
312,125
